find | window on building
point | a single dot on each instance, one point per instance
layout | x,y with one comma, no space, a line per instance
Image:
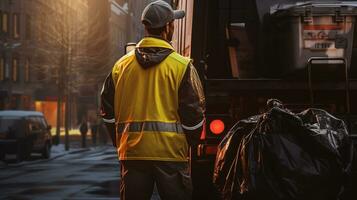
7,69
15,69
28,27
4,22
2,69
27,70
16,22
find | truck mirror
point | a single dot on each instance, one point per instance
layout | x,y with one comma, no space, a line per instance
129,47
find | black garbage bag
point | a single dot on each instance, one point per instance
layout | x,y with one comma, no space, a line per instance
226,159
350,192
284,156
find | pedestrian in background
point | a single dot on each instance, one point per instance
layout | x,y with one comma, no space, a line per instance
153,106
83,128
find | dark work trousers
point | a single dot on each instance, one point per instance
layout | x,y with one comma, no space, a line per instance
138,178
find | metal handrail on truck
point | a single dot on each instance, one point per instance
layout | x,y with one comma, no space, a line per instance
347,85
228,86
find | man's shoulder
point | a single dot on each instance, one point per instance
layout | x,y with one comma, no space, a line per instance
179,58
127,57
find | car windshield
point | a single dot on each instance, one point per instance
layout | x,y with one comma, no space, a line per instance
9,124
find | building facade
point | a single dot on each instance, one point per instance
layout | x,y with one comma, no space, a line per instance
39,41
15,72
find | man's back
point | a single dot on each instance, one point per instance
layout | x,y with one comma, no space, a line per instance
146,103
151,93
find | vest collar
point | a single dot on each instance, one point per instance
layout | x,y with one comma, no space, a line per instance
154,42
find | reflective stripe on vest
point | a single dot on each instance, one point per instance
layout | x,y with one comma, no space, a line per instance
150,126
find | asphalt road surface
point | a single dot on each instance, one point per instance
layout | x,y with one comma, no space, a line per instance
79,174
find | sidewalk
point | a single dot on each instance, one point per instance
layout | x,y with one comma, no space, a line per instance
56,151
76,140
75,145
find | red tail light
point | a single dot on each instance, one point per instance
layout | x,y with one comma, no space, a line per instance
216,126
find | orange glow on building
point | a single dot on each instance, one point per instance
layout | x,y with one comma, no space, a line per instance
49,109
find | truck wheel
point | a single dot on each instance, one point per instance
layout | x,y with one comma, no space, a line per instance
46,152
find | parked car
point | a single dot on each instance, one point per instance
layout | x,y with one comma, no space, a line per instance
23,133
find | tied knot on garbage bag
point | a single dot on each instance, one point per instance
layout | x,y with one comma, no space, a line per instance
283,155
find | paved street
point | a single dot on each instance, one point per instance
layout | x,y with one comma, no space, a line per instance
91,173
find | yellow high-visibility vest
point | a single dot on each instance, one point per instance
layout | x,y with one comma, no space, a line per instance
146,107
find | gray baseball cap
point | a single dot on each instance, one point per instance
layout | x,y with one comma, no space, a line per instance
158,13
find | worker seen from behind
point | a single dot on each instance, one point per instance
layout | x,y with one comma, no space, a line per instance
153,106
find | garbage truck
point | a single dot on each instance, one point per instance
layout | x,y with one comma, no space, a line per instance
248,51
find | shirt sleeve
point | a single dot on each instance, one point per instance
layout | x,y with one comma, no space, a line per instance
192,105
107,106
